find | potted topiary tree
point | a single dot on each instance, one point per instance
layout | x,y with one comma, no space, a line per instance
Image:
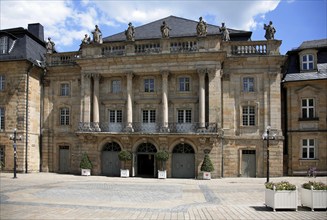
207,167
281,195
85,165
314,195
124,156
162,156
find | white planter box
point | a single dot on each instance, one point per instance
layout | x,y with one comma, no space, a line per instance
315,199
124,173
283,199
162,174
85,172
206,175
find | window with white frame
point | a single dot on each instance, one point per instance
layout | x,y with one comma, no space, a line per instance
308,149
184,84
149,116
148,85
64,116
115,116
115,86
308,108
3,45
184,116
307,62
248,115
64,89
248,84
2,82
2,118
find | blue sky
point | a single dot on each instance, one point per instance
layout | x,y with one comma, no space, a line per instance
66,21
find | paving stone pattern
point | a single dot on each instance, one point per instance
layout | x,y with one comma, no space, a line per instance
55,196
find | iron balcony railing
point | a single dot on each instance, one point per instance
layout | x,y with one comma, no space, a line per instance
147,127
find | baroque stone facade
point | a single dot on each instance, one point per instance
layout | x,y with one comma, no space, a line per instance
188,95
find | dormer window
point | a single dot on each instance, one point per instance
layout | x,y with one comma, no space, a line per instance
307,62
4,45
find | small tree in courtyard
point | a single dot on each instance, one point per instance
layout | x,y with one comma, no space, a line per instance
85,162
124,156
207,165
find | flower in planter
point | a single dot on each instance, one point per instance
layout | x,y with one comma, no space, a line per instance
85,162
283,185
162,156
316,185
207,165
124,155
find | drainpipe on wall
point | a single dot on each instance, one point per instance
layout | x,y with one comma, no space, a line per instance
26,117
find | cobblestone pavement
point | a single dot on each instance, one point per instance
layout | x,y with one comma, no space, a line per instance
55,196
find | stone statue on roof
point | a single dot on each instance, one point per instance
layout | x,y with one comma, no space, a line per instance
225,32
164,30
130,32
270,31
50,46
201,28
86,39
97,35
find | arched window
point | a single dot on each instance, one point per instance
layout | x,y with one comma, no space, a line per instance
146,148
183,149
112,146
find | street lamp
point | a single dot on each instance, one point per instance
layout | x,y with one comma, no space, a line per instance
265,136
15,138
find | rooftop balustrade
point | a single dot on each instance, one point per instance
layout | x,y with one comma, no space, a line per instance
182,45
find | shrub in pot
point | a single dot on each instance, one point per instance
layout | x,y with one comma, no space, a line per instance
207,167
162,156
281,195
124,156
85,165
314,195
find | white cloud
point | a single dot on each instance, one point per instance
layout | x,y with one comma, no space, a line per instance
67,21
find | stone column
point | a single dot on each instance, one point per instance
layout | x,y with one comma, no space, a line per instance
96,120
129,126
202,73
215,95
87,99
164,127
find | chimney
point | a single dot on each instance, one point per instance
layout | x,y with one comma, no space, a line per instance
37,30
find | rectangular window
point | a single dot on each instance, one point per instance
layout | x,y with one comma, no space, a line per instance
4,45
149,85
2,82
64,116
184,116
248,84
248,114
184,84
308,149
308,108
2,155
149,116
2,119
115,86
64,89
307,62
115,116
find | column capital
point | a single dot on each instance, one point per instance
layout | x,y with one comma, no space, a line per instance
87,75
164,72
96,75
201,71
129,74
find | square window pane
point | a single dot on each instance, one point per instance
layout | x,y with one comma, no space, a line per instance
304,142
311,142
304,153
311,153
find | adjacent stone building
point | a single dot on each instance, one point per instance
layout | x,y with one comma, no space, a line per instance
305,101
21,54
173,84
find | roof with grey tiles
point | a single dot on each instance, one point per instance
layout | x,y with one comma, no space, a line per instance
320,74
180,27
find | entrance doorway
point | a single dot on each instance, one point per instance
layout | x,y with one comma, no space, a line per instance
248,163
145,160
183,161
110,163
64,164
